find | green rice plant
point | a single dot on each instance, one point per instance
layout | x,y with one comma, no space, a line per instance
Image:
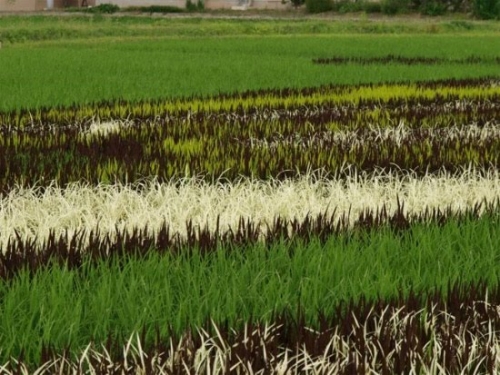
173,292
143,74
367,331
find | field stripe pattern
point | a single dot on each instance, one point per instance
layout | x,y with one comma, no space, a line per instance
336,229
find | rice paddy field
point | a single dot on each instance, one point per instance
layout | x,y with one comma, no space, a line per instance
221,195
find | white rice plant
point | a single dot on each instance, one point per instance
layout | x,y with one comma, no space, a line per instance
34,213
389,326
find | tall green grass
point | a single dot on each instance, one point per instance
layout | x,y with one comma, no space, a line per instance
118,296
18,29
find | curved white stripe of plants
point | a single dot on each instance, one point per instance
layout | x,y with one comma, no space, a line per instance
33,213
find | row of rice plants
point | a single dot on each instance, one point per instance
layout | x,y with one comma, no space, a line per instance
455,333
159,294
36,214
398,59
214,143
267,103
71,248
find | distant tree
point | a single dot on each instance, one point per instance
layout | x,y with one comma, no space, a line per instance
297,3
318,6
486,9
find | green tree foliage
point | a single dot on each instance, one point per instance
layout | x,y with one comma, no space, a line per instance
297,3
318,6
487,9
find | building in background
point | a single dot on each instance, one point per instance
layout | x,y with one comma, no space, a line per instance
35,5
40,5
